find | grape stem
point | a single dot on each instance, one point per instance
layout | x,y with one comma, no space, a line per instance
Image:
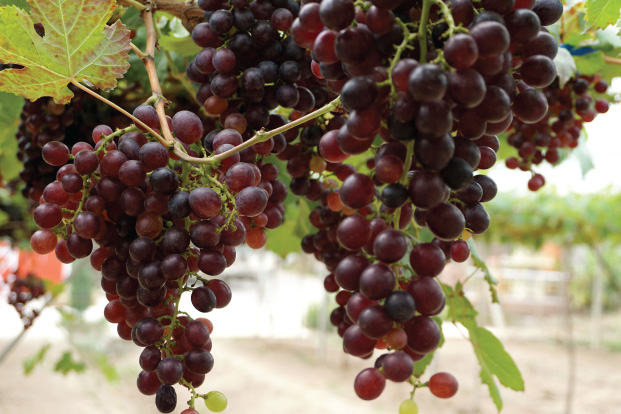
173,320
192,391
422,29
448,17
263,135
407,38
137,50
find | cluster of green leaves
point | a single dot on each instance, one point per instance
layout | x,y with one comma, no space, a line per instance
546,216
65,364
591,30
588,221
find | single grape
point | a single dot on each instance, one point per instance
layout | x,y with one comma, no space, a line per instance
408,407
369,384
443,385
216,401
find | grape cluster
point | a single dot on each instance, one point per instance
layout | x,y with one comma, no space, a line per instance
23,297
436,104
418,88
570,107
157,223
44,121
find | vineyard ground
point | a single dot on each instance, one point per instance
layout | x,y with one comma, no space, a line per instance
285,376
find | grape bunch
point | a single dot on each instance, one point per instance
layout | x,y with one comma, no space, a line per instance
570,107
156,223
23,297
44,121
427,107
419,89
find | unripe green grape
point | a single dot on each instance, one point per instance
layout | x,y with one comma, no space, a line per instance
408,407
215,401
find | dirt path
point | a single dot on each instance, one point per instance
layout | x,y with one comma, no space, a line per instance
285,377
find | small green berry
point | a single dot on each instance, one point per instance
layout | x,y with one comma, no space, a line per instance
215,401
408,407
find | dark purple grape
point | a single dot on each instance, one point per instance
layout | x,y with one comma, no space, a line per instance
170,370
427,83
377,281
221,21
203,299
164,181
400,306
359,93
198,361
166,399
548,11
337,14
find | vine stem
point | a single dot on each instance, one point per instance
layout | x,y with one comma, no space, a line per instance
149,63
614,61
123,111
422,30
265,135
182,79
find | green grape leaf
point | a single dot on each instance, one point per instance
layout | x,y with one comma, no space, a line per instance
66,364
22,4
494,358
494,392
30,363
601,13
286,238
491,354
565,66
183,46
590,63
77,46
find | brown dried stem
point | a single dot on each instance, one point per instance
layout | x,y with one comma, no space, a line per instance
188,11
